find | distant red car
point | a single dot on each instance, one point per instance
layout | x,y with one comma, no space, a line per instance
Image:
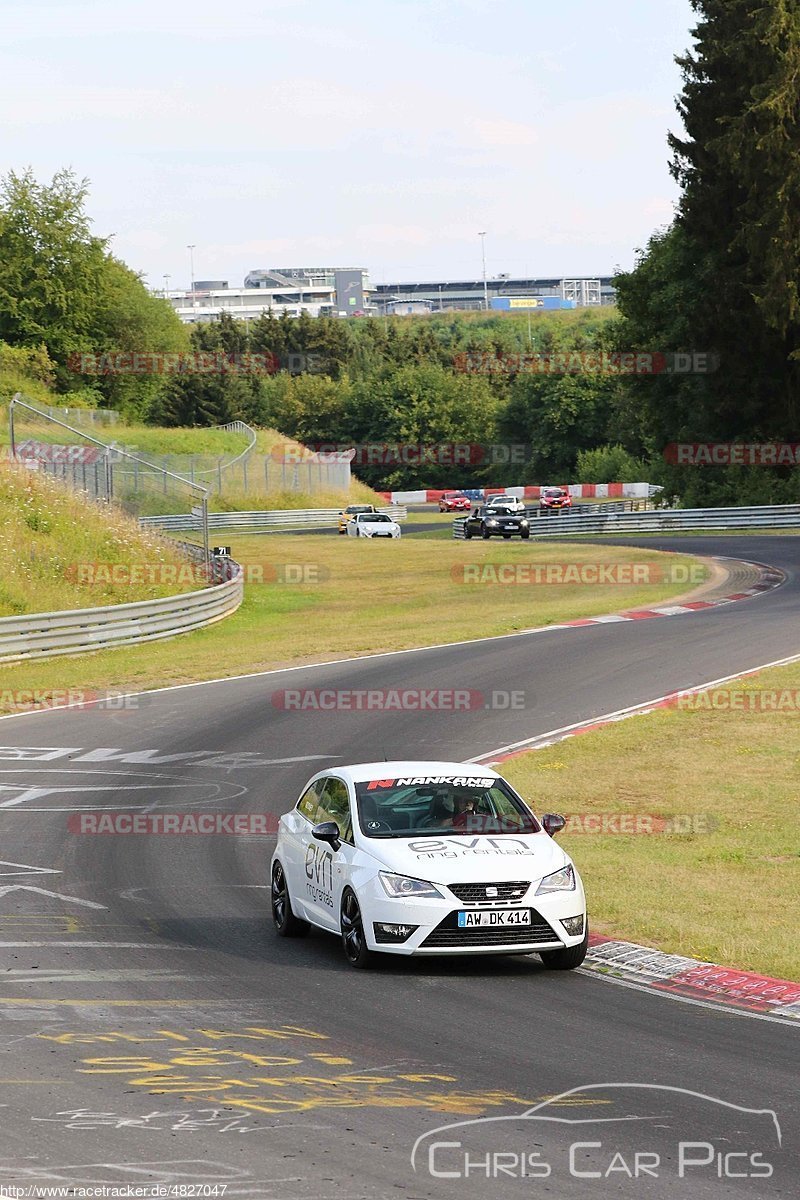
554,499
454,502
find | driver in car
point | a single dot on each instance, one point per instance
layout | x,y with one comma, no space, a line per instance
466,813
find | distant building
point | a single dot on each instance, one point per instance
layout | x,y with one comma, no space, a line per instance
406,308
329,291
346,292
468,294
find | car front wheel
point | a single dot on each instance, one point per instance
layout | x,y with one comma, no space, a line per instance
354,940
568,957
485,534
286,923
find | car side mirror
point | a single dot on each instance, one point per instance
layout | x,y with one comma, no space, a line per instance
328,831
553,823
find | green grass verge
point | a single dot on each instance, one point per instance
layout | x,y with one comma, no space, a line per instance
354,597
726,892
60,553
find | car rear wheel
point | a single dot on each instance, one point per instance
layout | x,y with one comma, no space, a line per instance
354,939
467,533
568,958
286,923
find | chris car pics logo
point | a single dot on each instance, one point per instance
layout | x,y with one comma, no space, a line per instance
608,1133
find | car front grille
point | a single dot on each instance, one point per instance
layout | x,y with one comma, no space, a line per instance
476,893
448,935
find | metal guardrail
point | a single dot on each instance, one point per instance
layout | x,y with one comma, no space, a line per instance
664,520
234,427
611,506
253,522
78,631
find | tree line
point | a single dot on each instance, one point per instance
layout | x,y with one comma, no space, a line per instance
467,389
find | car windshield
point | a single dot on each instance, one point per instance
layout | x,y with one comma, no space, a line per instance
357,508
553,493
434,806
373,517
497,510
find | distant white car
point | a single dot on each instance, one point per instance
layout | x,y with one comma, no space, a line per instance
372,525
511,503
426,858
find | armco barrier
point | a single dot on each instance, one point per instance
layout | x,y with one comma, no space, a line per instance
665,520
289,519
78,631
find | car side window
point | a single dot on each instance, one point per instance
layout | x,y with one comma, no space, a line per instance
335,806
308,804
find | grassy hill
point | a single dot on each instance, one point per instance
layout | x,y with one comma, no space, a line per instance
61,552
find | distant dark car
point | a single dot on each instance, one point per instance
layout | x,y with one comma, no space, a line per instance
454,502
490,521
554,499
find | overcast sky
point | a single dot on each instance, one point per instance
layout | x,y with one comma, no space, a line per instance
377,133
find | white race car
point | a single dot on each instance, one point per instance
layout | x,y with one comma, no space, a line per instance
373,525
511,503
426,858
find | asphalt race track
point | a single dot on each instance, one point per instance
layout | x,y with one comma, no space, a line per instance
157,1031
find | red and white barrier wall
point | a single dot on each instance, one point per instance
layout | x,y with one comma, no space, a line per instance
579,491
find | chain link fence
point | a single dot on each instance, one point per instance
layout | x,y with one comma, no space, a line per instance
105,473
56,442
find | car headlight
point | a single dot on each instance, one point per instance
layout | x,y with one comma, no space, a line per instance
400,886
523,524
559,881
491,521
